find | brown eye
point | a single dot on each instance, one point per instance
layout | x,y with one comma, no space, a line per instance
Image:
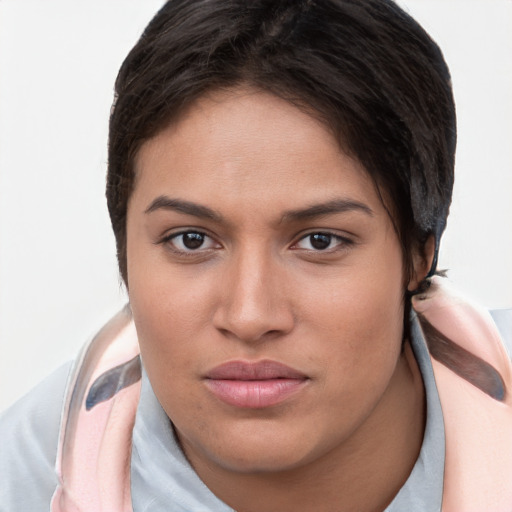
190,241
319,241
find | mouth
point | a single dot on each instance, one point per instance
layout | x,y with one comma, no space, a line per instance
254,385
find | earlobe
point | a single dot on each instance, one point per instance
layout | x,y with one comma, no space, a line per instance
422,263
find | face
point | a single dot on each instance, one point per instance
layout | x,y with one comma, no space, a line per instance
266,283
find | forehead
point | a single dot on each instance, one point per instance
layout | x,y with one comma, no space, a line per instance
244,146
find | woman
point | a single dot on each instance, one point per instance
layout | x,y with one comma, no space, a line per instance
280,174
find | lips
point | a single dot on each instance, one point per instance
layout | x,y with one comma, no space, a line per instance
254,385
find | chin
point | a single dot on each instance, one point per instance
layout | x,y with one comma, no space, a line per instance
270,461
254,450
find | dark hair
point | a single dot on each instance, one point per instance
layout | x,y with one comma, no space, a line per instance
364,67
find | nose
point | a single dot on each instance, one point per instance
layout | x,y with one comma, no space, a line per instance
254,304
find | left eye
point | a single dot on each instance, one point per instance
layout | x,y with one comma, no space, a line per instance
190,241
320,241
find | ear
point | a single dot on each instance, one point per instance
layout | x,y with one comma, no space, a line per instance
422,261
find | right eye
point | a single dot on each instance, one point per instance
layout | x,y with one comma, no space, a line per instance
190,242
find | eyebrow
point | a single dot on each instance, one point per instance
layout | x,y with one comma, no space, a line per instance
330,207
316,210
181,206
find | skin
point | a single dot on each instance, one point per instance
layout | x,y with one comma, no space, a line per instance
257,289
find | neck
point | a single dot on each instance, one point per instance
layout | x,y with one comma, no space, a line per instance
364,473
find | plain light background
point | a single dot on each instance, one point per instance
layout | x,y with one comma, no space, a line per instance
58,61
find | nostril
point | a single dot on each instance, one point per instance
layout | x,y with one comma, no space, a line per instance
253,309
251,335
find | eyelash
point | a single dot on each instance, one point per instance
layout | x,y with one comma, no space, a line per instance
168,241
341,243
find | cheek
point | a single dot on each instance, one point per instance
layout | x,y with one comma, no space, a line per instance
172,312
167,344
166,303
363,336
161,313
360,316
168,319
171,326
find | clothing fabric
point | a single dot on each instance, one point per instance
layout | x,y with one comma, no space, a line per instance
163,481
474,378
503,320
29,432
160,473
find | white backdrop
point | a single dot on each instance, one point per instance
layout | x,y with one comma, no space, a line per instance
58,62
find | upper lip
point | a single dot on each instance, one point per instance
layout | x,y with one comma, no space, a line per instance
260,370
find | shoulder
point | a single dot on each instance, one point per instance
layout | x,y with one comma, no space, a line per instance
29,432
503,320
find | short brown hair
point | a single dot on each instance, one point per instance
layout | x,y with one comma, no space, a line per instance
364,67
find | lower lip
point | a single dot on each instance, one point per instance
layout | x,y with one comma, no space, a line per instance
254,394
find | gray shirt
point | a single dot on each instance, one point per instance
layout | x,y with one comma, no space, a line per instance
162,478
